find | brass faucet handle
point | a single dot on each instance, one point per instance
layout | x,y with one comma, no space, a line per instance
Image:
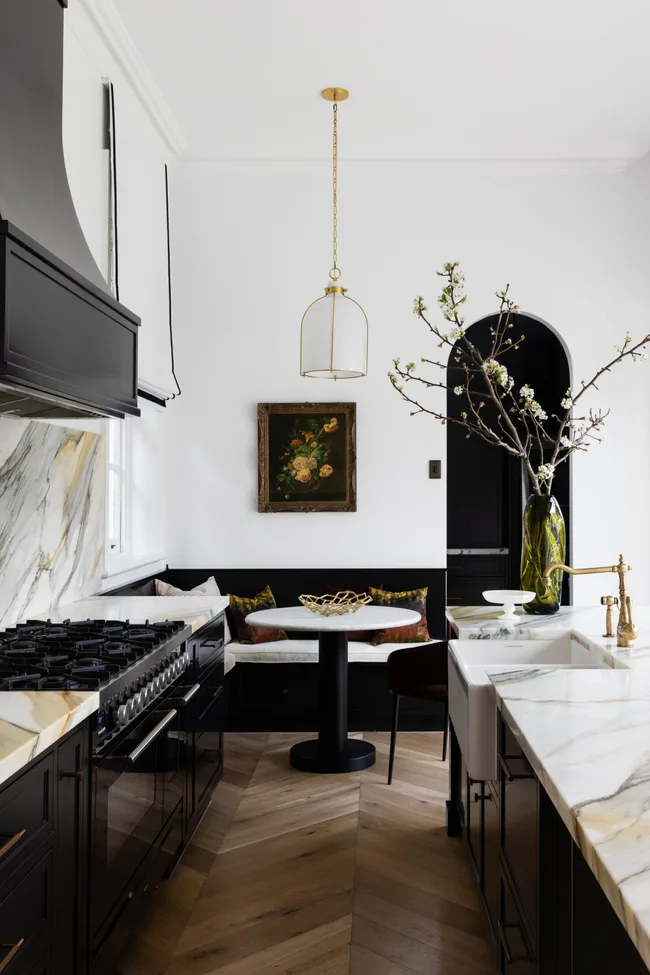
609,602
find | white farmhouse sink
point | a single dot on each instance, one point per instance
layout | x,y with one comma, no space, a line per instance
472,705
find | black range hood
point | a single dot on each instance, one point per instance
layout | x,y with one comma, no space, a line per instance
67,347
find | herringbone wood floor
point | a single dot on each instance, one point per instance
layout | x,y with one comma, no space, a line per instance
298,874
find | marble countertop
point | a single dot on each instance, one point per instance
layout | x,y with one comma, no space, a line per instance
585,623
587,735
196,611
32,721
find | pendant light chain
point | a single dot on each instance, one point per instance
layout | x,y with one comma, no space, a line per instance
335,272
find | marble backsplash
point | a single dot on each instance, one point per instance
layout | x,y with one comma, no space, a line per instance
52,488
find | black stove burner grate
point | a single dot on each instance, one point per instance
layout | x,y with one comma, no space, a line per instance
76,654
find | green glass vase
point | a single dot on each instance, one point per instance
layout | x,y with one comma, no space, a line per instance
544,542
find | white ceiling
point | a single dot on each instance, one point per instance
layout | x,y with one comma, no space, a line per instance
471,79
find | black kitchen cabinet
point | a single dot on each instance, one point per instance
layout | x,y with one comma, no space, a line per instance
547,911
519,801
44,862
72,822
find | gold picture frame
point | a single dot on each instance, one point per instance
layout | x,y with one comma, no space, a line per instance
306,457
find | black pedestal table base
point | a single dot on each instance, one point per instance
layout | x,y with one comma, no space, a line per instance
332,751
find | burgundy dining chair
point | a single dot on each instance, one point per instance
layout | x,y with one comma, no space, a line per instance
419,672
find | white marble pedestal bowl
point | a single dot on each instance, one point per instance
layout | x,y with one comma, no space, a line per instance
509,599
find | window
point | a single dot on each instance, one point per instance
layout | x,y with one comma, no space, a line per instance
116,487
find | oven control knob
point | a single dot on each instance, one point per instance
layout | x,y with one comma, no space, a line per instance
130,709
151,690
138,702
186,657
175,669
145,694
122,716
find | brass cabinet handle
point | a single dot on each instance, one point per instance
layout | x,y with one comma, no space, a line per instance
13,951
10,843
77,774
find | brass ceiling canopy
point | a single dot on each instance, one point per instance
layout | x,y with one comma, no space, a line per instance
335,94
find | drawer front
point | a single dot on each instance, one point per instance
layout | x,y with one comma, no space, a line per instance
26,917
514,950
26,815
519,824
477,566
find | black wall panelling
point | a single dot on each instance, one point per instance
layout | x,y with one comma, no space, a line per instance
288,584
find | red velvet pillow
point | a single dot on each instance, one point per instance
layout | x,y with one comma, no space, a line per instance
240,607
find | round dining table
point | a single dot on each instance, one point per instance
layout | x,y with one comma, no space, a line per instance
333,751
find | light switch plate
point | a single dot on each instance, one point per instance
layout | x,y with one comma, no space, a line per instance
435,469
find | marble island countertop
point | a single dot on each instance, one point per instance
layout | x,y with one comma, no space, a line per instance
586,733
32,721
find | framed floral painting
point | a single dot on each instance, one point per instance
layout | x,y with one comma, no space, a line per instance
306,456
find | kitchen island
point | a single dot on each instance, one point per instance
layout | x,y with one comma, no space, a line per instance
572,747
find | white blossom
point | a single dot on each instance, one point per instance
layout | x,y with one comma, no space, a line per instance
527,392
545,472
459,390
498,372
566,443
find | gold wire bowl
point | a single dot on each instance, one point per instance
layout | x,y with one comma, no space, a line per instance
338,604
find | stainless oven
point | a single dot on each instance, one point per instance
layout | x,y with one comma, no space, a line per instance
139,789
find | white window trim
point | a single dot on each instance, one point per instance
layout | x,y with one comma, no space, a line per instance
124,567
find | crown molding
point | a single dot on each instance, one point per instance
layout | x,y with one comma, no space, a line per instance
109,25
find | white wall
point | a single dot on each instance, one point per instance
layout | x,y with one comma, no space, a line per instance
141,156
251,250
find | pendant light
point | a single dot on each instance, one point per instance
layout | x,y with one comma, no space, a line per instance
334,329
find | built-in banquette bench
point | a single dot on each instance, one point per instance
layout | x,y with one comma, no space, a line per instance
283,697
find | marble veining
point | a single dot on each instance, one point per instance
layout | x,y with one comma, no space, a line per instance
32,721
587,735
51,516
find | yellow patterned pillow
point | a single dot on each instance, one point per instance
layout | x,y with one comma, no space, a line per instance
241,606
415,599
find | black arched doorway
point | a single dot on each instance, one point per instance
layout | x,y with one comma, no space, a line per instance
486,492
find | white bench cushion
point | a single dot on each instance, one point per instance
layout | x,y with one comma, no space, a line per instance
305,651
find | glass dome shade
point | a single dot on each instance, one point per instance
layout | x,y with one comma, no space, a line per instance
334,337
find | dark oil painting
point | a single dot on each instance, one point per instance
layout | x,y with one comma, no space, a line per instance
307,457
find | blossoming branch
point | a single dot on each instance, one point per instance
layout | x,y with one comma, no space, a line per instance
523,427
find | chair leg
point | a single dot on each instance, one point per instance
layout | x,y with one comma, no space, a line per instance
393,737
446,732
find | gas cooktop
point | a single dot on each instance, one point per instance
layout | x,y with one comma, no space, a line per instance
77,655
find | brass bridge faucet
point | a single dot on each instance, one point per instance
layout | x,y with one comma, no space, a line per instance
626,632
